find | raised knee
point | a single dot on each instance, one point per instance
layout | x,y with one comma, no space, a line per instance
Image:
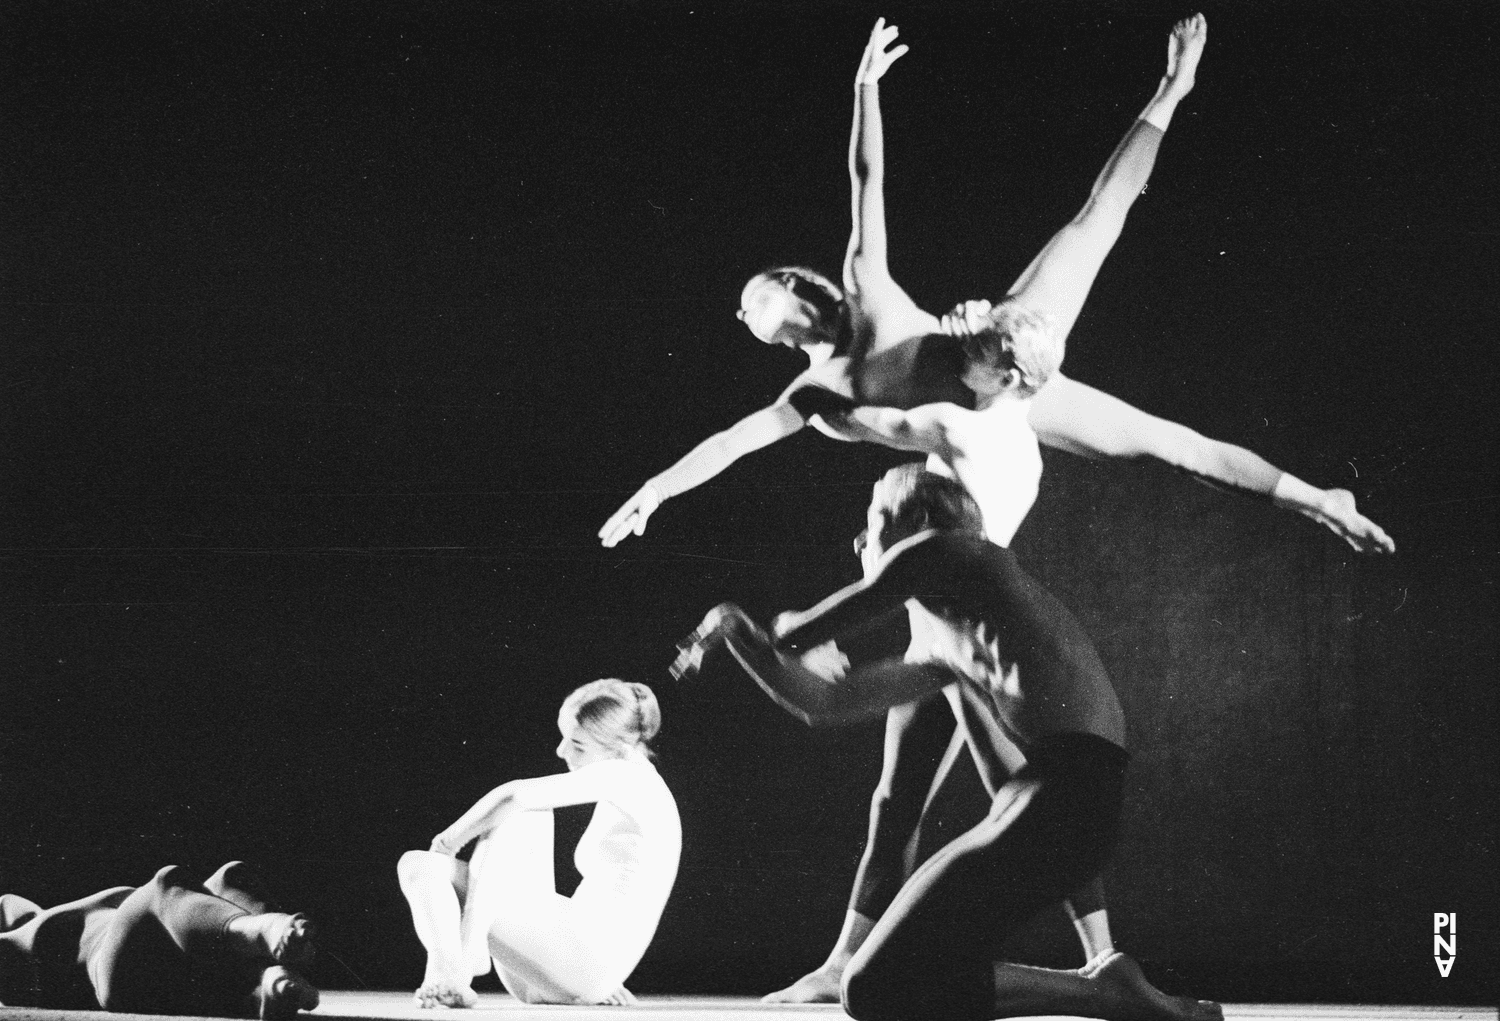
860,996
865,997
412,866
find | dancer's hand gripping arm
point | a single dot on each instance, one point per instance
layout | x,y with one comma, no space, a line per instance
700,464
1073,416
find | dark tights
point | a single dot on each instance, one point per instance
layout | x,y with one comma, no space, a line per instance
160,948
1048,831
901,835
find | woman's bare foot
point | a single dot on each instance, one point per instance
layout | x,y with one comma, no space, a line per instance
1184,49
621,997
285,939
821,986
282,994
439,992
1130,997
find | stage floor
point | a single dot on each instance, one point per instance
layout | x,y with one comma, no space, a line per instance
496,1007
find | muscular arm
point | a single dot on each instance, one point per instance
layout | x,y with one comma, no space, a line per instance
864,692
1073,416
923,429
916,566
871,290
700,464
865,261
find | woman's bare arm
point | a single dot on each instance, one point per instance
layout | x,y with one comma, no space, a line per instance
1076,417
580,787
700,464
872,292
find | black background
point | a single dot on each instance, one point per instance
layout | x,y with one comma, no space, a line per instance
330,334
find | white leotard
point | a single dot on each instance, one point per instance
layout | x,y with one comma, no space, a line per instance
628,855
997,458
549,948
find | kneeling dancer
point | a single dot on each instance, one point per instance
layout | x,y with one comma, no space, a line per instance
1018,652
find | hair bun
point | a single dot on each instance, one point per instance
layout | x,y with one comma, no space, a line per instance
647,709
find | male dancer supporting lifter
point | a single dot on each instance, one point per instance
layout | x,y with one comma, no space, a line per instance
1018,656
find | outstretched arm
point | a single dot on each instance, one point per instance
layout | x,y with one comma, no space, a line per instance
1059,278
700,464
871,290
923,429
1075,417
828,698
865,262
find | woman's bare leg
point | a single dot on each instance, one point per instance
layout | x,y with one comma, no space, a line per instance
1059,278
435,886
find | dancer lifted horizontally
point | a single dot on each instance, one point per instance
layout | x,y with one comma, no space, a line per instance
1019,653
172,946
871,343
503,904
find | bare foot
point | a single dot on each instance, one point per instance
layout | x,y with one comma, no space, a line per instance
285,939
1343,520
1184,49
821,986
1132,998
445,993
621,997
282,994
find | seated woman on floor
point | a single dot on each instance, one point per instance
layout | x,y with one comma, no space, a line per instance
502,905
172,946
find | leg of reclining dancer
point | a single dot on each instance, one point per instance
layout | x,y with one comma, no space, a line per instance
173,947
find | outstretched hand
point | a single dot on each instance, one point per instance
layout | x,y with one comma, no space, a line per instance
632,516
878,57
1338,513
717,623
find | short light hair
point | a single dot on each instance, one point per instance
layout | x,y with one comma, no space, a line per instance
913,499
820,292
1015,337
615,712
